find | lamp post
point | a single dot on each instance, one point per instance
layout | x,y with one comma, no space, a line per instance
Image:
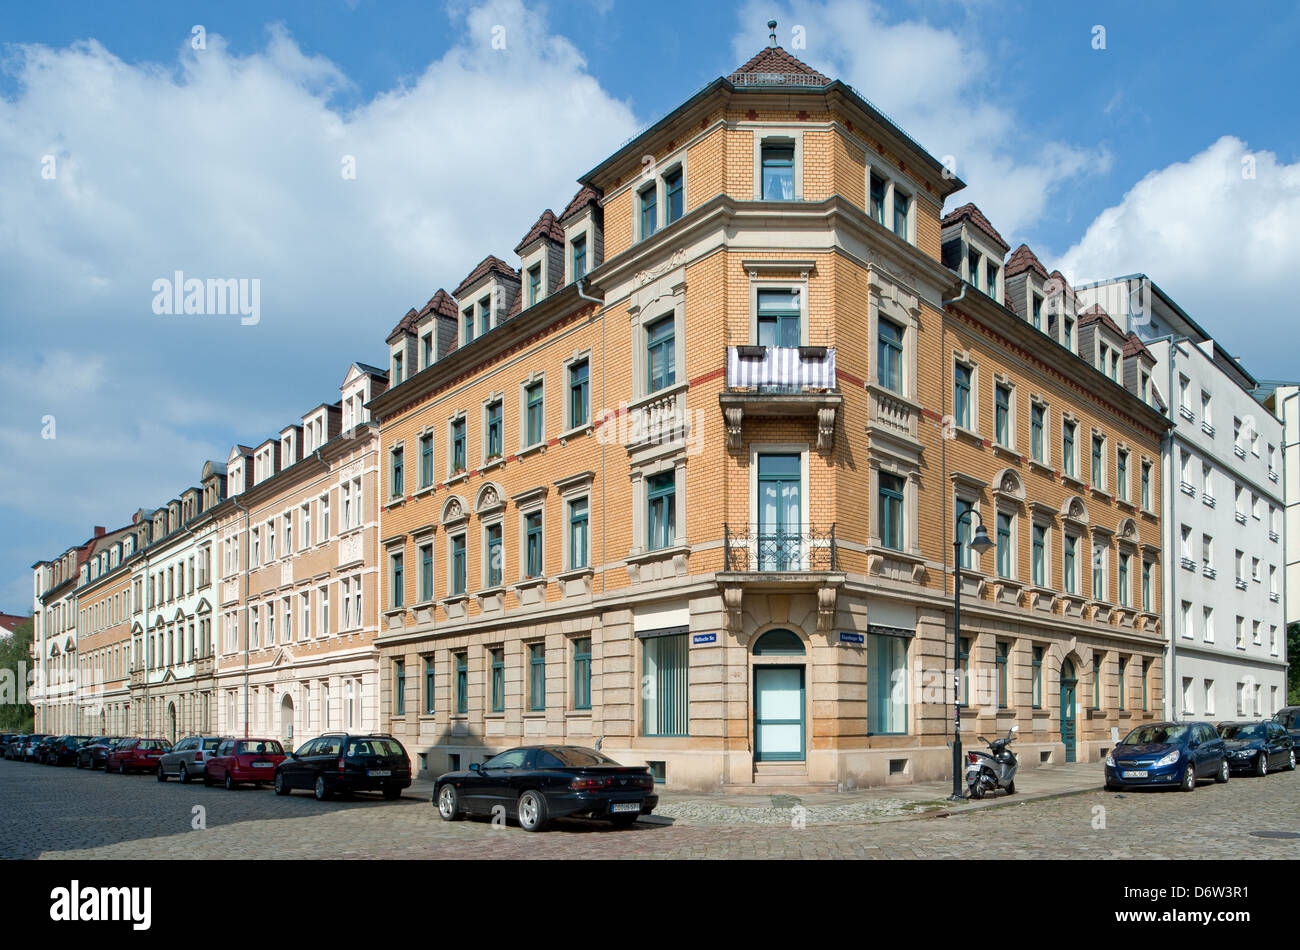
979,544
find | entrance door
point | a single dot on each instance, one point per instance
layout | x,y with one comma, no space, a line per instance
1068,686
171,722
778,513
778,714
286,720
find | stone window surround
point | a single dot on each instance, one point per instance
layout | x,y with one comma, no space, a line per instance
570,489
460,415
971,490
963,358
583,226
894,180
497,520
647,306
536,376
778,134
1036,400
780,448
393,497
671,460
576,357
497,396
532,501
757,283
907,469
1013,411
891,301
655,172
1096,433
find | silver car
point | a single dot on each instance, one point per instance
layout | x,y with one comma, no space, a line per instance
188,759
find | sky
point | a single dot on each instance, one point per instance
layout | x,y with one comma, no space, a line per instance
353,156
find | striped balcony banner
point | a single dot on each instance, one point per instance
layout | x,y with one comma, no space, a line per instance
781,366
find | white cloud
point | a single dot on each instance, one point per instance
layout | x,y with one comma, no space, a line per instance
1219,242
935,83
229,166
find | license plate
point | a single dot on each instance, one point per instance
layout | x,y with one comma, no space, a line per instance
379,773
260,765
1140,773
625,806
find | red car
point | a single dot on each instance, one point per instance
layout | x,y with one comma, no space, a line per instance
244,760
136,755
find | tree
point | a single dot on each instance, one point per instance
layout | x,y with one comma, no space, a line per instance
15,664
1293,671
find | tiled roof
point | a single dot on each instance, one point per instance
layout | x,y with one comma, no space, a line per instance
405,325
547,226
488,265
1023,259
586,196
1133,346
1058,278
976,217
1095,314
773,66
440,303
10,622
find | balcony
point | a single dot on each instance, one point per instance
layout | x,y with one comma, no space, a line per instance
780,382
1238,451
750,549
1186,413
1241,517
1187,488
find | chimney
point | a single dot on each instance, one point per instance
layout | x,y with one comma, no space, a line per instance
771,39
100,530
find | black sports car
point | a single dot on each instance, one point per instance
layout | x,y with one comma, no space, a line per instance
537,783
1257,747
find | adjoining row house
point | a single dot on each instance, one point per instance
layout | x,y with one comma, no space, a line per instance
687,477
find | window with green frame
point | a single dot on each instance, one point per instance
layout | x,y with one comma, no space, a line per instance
458,445
889,355
498,667
1000,657
1036,677
397,586
426,460
1121,474
661,502
399,694
462,683
579,388
661,360
582,673
1123,579
1039,555
877,208
468,321
495,556
533,544
664,704
1070,564
963,667
495,429
579,247
648,202
1037,422
534,403
886,685
1146,585
1122,704
1096,682
1098,452
779,318
458,564
1067,446
1145,669
396,482
536,676
1006,558
429,694
579,518
778,172
534,284
901,205
1146,486
673,195
426,572
1002,414
484,315
961,383
1098,572
960,507
891,510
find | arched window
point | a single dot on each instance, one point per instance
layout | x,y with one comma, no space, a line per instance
779,643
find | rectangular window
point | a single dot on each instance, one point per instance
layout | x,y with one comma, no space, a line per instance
1006,564
1036,678
673,195
661,502
426,460
661,361
534,284
484,315
397,368
778,172
1146,586
973,268
961,506
533,543
536,677
395,579
664,703
429,694
578,532
1037,420
1098,572
323,601
495,430
1123,579
901,204
395,463
1123,700
458,564
426,351
1067,446
495,560
1040,555
1096,682
889,355
324,518
498,655
468,321
779,318
1121,473
399,692
458,446
1146,486
579,246
1037,312
1002,414
582,673
1071,564
886,685
1000,657
579,389
462,683
648,202
1098,450
426,572
533,400
877,209
961,395
891,511
963,669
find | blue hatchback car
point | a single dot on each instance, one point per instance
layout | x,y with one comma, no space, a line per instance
1169,755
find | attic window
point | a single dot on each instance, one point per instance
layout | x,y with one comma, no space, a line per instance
426,350
534,284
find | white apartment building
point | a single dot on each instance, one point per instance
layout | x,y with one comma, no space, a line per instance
1283,400
1223,547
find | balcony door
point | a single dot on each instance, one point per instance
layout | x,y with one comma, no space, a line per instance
780,495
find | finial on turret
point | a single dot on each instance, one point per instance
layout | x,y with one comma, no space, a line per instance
771,38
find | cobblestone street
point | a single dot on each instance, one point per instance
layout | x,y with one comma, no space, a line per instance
64,813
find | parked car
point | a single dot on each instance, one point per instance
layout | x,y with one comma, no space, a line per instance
12,745
1167,754
338,762
136,755
1288,717
244,760
5,739
63,751
92,754
1257,746
537,783
40,749
188,759
27,746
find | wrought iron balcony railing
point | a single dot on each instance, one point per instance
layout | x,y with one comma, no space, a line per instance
753,549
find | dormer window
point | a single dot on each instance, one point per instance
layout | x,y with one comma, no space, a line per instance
484,315
1037,312
467,318
973,268
397,368
534,284
579,245
426,350
991,280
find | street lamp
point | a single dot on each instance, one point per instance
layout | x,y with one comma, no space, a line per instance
979,544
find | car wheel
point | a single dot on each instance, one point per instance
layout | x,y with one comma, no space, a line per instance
322,792
532,810
1189,778
207,779
1261,765
1290,765
281,788
449,803
1223,774
184,776
230,783
162,774
391,794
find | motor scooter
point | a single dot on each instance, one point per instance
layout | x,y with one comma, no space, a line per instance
989,771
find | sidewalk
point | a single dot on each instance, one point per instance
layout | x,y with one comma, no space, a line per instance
894,803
